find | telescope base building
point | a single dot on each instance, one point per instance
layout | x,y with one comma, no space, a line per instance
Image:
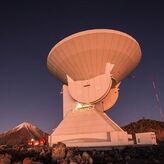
89,127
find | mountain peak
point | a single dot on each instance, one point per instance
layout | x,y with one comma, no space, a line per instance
24,125
21,134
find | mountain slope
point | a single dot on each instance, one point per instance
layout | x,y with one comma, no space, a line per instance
21,134
146,125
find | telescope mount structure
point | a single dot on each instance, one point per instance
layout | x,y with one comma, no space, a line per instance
91,64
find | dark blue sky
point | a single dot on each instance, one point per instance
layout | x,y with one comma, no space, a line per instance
29,29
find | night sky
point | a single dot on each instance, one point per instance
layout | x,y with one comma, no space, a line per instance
28,31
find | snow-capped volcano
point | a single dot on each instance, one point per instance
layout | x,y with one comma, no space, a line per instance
24,125
21,134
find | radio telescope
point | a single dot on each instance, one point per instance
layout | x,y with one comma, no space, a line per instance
91,64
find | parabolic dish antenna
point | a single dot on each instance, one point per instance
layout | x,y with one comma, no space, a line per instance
91,65
93,62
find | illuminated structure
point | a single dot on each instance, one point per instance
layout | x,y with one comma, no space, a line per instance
91,65
147,138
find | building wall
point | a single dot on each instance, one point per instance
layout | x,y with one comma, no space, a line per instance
146,138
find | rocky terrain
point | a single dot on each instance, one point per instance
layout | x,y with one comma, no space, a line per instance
60,154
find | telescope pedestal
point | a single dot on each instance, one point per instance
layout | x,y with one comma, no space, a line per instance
89,128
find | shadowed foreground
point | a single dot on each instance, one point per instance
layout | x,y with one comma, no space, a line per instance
64,155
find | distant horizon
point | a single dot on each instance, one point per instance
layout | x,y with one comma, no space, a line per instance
56,126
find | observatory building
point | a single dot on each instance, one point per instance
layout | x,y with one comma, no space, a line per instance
91,64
